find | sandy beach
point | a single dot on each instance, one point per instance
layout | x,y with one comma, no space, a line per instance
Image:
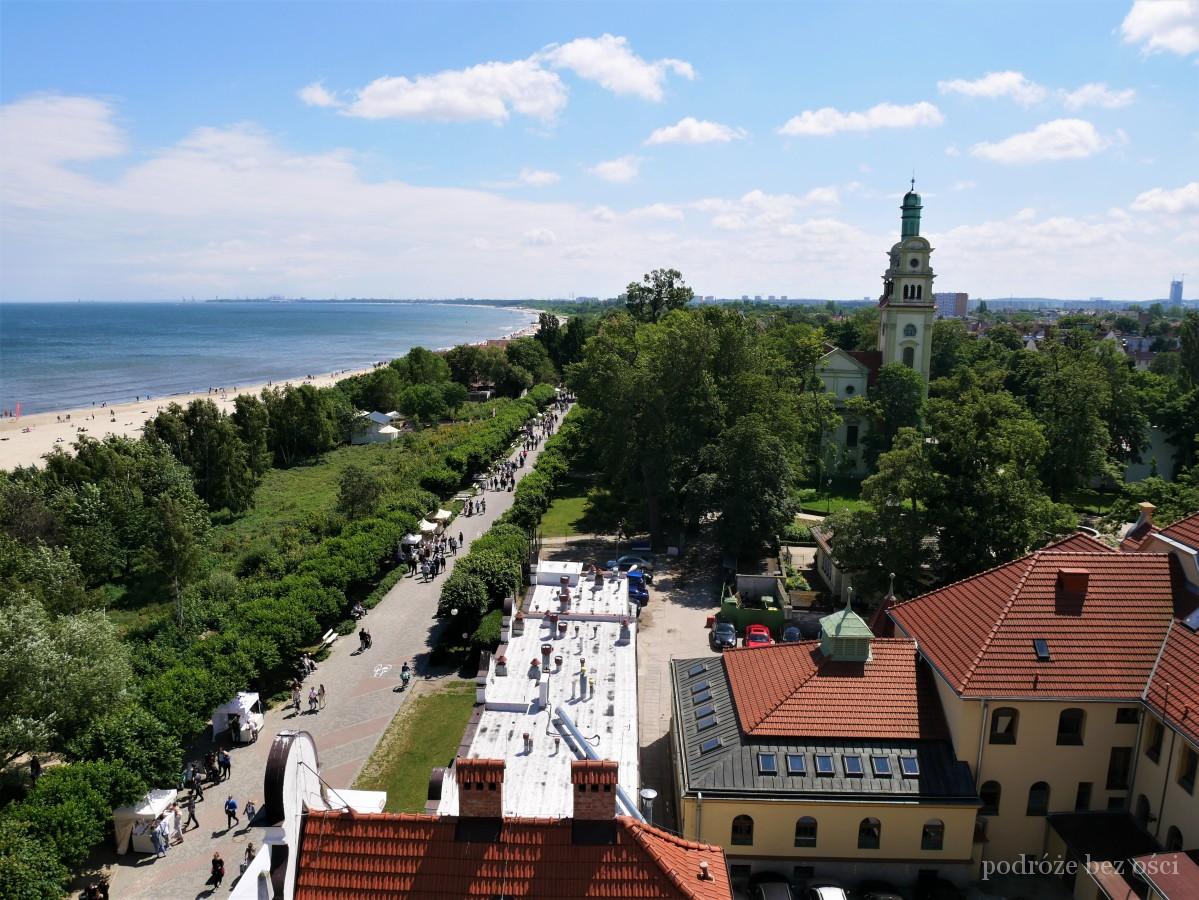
24,441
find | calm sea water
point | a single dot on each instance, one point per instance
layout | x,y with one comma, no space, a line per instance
66,355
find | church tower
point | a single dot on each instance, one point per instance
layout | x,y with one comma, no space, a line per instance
905,332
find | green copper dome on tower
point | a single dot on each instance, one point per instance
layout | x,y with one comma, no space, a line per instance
911,213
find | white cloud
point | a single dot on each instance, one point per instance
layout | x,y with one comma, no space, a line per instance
1157,25
690,130
952,150
660,211
539,237
316,94
609,61
603,214
1059,139
997,84
538,177
962,185
621,170
489,92
1183,199
826,121
1098,94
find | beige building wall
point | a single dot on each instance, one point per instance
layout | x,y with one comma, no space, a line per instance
1157,781
837,829
1035,757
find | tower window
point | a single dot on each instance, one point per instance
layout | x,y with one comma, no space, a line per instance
909,330
851,435
919,291
906,290
909,357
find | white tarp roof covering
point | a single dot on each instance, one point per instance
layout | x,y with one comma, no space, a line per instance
241,705
411,539
149,808
427,526
443,515
389,429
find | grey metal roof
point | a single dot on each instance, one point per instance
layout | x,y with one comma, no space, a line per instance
734,766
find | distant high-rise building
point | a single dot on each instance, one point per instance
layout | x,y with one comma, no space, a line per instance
951,305
745,296
783,298
1176,291
758,297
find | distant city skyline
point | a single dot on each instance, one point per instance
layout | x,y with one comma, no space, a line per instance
157,151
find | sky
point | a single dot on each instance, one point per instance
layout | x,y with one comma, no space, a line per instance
512,150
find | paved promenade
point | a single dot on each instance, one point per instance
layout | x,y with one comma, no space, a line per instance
360,703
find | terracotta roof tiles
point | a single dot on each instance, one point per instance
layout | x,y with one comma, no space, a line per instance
344,856
980,633
792,689
1173,691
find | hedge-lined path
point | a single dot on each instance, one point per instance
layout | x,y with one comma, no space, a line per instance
359,705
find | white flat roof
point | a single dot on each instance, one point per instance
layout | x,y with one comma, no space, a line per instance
610,601
595,646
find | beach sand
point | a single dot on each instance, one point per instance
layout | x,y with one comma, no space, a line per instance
47,430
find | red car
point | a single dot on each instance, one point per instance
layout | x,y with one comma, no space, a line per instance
757,636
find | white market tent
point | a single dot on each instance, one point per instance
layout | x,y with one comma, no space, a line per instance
246,706
411,540
427,527
133,824
443,516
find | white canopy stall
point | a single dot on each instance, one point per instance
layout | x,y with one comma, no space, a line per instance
134,824
427,528
443,517
242,717
410,540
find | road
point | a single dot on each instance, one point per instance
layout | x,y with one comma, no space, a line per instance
360,704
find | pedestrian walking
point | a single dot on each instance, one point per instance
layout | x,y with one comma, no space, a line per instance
461,542
320,696
197,782
156,843
176,824
231,811
312,699
295,699
225,761
249,858
218,869
362,645
251,811
191,814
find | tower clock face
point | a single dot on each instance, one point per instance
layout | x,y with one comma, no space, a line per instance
914,263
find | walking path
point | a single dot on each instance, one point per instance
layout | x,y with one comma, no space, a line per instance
360,703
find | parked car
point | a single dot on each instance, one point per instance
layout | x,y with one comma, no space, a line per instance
770,886
757,636
624,563
826,890
791,634
723,636
638,592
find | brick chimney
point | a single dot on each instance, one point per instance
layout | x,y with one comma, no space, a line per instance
594,783
480,788
1072,582
1145,516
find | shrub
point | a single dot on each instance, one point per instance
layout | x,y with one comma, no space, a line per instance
797,533
440,480
487,635
346,626
498,574
389,581
133,738
464,592
29,868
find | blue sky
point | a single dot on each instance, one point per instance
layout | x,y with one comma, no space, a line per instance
515,150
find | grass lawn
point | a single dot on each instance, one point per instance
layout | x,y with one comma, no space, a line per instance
845,494
1085,500
423,735
580,508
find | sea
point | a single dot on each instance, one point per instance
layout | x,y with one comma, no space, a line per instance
66,355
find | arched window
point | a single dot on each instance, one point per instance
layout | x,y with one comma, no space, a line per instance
1003,725
909,330
989,794
1038,799
805,832
933,835
743,831
1173,839
870,834
919,291
1141,813
909,357
1069,726
907,289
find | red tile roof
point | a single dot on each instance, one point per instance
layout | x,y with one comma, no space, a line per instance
1080,542
793,689
979,632
1173,691
594,771
344,856
1184,530
1174,875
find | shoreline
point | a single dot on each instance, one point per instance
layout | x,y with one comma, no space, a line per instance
60,427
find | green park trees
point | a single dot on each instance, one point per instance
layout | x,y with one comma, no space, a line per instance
656,294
